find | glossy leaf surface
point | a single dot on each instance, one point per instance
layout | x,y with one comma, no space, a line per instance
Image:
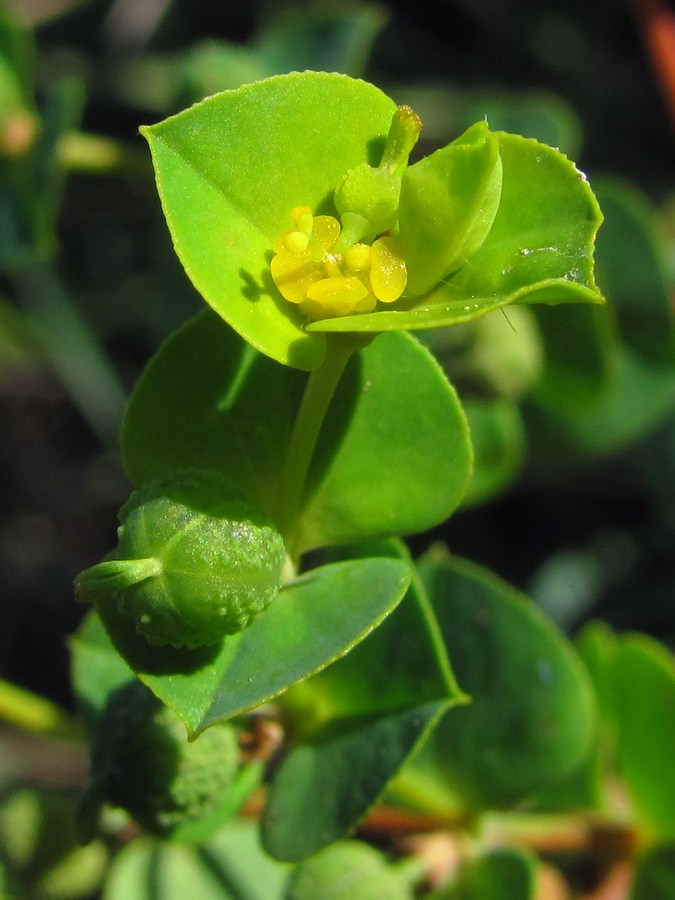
208,400
315,620
356,723
531,719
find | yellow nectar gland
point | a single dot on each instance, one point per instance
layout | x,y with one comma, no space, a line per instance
324,281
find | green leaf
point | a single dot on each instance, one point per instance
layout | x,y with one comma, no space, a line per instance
209,400
637,399
589,785
448,204
645,710
504,874
356,724
498,441
532,716
608,377
539,249
636,281
316,619
394,410
349,870
230,170
95,666
655,874
498,355
330,39
230,866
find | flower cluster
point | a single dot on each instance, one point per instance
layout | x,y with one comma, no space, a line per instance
319,268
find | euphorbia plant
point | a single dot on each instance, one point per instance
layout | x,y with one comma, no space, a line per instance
298,414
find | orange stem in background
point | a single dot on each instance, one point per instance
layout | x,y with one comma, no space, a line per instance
657,22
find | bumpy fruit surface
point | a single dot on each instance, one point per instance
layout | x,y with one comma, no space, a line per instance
143,762
195,561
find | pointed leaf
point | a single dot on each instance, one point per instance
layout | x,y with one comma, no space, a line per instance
357,723
315,620
351,762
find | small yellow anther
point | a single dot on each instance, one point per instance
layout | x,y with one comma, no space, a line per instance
388,274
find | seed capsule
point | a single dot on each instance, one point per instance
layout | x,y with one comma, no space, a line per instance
195,561
142,761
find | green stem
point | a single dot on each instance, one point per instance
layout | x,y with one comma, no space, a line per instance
29,712
316,400
94,154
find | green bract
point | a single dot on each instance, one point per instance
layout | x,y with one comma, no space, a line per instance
194,561
489,220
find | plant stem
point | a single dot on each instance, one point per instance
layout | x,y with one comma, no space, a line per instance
29,712
316,400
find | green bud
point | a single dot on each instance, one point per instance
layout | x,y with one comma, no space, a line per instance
195,561
143,762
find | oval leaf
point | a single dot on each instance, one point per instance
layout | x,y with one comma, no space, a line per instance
532,717
395,456
645,710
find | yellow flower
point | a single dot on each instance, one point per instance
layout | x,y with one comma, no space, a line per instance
318,269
